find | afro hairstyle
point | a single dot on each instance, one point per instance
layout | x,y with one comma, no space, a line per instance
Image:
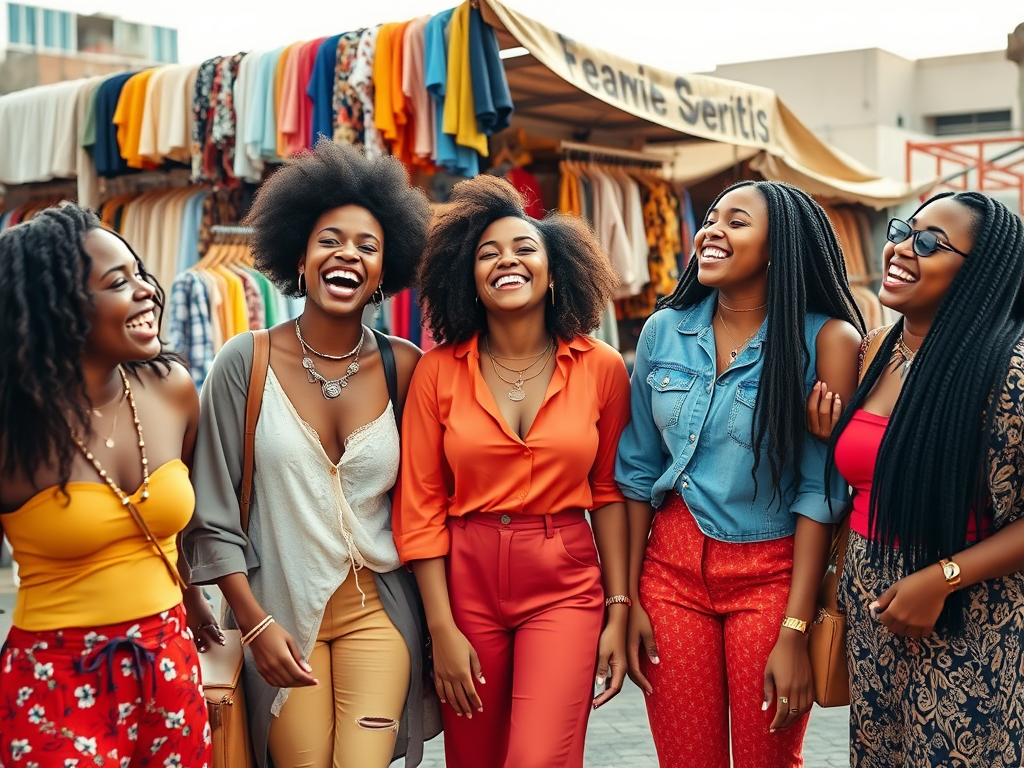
330,176
581,271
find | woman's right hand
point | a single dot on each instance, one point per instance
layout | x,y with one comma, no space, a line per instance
278,659
640,632
456,667
823,411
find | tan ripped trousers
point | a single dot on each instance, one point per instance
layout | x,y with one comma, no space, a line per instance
349,720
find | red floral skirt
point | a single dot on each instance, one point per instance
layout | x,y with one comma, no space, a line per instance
115,696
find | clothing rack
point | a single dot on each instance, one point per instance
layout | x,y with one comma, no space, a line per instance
597,153
230,229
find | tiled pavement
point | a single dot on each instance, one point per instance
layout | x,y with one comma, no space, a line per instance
618,736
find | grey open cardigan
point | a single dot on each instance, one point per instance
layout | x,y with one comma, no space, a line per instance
215,546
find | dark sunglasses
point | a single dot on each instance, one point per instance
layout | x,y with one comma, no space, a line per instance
924,243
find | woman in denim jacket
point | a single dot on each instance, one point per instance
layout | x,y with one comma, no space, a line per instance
718,446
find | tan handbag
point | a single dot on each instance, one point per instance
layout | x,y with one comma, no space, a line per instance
827,641
221,665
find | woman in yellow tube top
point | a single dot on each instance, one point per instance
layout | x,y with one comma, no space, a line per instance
96,432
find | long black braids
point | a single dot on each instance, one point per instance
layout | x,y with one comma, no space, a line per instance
930,474
45,306
807,274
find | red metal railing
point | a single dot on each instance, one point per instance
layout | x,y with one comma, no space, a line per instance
985,165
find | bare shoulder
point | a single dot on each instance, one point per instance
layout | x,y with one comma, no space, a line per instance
174,385
838,336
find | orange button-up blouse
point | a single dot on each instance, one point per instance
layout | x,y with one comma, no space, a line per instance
460,456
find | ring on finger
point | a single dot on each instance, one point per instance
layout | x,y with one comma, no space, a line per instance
783,700
794,710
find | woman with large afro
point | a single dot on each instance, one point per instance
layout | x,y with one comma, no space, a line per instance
331,618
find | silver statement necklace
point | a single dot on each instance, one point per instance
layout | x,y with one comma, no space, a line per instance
331,387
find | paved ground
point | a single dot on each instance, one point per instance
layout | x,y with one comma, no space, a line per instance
618,736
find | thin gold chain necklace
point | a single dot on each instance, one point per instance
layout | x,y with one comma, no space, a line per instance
739,347
516,394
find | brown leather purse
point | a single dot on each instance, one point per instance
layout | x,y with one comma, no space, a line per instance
221,665
827,641
827,637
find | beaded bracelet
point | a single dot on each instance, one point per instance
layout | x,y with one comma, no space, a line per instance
618,599
257,630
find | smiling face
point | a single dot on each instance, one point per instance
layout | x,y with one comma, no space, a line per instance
124,327
915,285
732,245
344,260
511,269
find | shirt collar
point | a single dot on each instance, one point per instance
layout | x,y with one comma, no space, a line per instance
696,319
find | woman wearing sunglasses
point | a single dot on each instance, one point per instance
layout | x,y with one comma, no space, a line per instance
932,583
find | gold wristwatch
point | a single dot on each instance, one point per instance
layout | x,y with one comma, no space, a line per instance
790,623
951,572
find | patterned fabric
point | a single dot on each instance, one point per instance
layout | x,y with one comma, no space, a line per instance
118,696
348,109
661,220
201,113
190,328
361,80
945,701
940,702
715,607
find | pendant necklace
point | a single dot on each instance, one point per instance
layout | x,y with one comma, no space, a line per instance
517,394
331,387
739,347
97,412
121,495
902,356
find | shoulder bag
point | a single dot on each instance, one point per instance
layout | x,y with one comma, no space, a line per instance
222,664
827,635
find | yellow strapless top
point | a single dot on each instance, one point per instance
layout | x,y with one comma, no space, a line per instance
85,562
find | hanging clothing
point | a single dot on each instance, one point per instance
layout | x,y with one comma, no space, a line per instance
459,160
361,81
492,100
321,90
417,98
390,111
348,108
246,167
459,108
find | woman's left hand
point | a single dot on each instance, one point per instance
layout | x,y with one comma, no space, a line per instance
912,605
787,679
611,655
201,621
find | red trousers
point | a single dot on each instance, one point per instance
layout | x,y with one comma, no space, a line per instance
526,592
117,696
716,609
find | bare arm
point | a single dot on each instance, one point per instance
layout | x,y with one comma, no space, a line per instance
640,516
611,533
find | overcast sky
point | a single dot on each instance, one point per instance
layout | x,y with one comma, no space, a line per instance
678,35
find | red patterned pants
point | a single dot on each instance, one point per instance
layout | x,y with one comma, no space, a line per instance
716,609
120,696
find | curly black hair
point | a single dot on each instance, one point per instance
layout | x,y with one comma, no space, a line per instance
45,310
930,475
330,176
807,274
583,277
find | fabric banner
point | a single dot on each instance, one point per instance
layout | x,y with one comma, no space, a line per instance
710,108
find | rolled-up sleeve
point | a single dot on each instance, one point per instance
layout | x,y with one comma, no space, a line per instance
611,420
419,520
214,543
641,456
811,500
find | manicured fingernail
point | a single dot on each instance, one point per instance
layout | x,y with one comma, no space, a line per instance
469,715
648,692
459,714
600,681
828,395
482,681
306,666
480,709
771,730
764,706
655,660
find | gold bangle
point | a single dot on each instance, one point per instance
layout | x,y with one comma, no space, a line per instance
618,599
255,632
790,623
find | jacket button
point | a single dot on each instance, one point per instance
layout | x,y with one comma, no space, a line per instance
692,438
505,519
664,382
686,485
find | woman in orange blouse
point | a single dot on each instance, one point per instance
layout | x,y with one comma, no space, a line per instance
510,435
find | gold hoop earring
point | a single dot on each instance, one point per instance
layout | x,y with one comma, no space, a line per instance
552,287
374,300
302,284
476,301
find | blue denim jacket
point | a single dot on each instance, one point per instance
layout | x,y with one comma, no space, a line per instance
691,433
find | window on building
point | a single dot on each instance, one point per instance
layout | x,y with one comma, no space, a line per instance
21,24
165,45
56,30
95,34
973,122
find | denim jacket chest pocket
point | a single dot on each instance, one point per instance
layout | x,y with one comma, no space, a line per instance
741,417
670,387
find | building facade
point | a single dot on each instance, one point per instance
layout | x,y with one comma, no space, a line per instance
40,46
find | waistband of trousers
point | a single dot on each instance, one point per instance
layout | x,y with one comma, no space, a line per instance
519,521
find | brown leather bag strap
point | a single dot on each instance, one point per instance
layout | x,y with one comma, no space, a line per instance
140,521
872,343
253,404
